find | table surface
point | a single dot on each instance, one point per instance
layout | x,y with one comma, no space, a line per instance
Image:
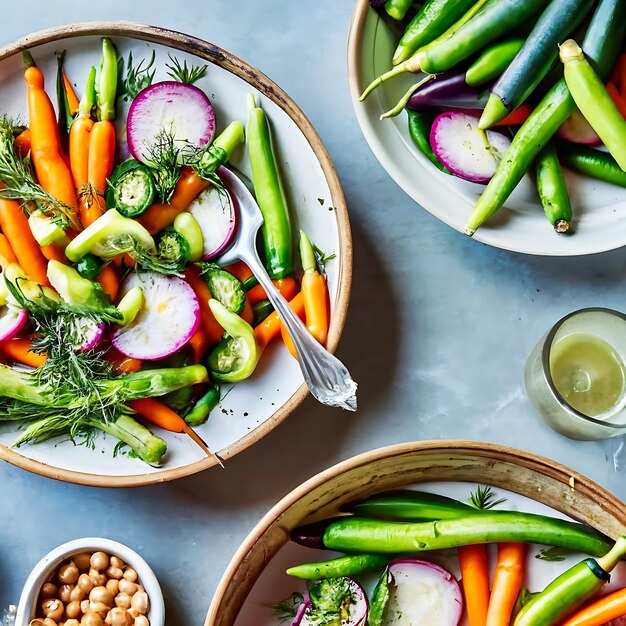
438,329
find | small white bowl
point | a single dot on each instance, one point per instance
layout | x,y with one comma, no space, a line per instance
45,568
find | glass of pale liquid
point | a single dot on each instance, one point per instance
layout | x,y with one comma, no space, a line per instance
576,375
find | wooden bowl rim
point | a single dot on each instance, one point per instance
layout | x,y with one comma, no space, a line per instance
540,464
216,55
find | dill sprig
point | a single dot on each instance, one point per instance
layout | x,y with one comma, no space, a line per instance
19,181
288,608
146,259
184,74
165,158
483,498
136,78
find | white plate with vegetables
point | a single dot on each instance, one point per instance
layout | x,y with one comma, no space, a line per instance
119,329
496,51
418,541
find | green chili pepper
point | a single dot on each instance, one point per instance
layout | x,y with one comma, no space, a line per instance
358,535
492,61
90,266
602,44
107,85
237,355
187,226
203,406
220,151
591,162
342,566
571,589
269,194
420,123
261,310
398,8
173,247
552,189
226,288
131,188
594,101
379,599
130,305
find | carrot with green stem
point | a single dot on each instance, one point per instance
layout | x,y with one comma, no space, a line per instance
475,582
600,612
314,292
507,583
70,94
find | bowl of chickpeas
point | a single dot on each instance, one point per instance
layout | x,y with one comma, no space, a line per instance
91,582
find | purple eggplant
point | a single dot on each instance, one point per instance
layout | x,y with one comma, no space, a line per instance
311,534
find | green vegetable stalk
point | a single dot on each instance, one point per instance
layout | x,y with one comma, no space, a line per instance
107,84
343,566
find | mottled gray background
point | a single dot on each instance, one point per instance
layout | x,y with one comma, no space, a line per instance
438,329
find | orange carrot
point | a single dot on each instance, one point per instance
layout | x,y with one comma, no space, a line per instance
213,331
269,328
286,337
315,293
160,216
80,136
288,287
107,279
53,173
240,270
602,611
247,314
121,363
7,256
475,581
199,345
20,350
517,117
72,98
159,414
52,252
618,99
507,583
100,166
22,143
14,225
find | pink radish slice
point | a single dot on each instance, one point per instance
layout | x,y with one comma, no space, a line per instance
184,110
12,320
302,608
91,333
357,610
462,148
216,213
578,130
422,594
169,317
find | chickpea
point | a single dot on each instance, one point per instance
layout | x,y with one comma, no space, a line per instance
84,606
82,561
49,590
85,583
139,602
72,610
91,619
113,586
72,622
117,562
128,587
122,600
141,620
114,572
118,617
101,594
99,561
36,622
130,574
97,578
99,607
134,614
49,622
65,591
77,593
68,573
53,608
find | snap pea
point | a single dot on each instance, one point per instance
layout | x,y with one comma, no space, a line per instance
398,8
420,124
360,535
552,189
493,61
602,44
339,567
378,602
269,194
591,162
201,409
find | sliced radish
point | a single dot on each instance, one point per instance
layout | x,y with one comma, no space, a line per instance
421,594
12,320
578,130
355,603
169,317
177,108
302,608
465,150
91,333
216,214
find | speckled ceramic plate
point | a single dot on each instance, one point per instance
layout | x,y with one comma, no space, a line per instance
250,409
599,208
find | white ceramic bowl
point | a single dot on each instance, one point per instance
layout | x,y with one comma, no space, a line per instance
49,563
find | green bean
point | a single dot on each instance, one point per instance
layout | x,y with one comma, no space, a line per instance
203,406
342,566
552,189
492,62
398,8
594,163
419,129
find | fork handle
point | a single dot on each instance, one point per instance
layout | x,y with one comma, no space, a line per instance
326,376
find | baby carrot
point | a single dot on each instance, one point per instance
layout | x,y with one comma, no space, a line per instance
213,331
507,583
100,165
199,345
269,328
20,350
159,414
288,288
22,143
7,255
72,98
314,291
247,314
107,279
601,611
475,581
53,252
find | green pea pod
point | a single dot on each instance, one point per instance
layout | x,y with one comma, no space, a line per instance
378,601
342,566
493,61
571,589
398,8
107,85
552,189
602,44
202,408
591,162
420,124
269,194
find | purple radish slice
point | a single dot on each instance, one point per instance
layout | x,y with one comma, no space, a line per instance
91,333
216,212
177,108
12,320
302,607
578,130
467,152
344,595
169,317
421,594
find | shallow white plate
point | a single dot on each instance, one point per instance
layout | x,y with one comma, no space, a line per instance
252,408
599,208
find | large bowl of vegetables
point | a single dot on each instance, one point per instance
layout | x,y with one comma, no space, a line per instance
440,532
484,117
119,327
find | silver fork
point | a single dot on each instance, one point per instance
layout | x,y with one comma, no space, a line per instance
325,375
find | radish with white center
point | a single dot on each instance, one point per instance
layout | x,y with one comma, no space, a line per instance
90,332
419,593
216,214
170,315
466,151
179,109
12,320
578,130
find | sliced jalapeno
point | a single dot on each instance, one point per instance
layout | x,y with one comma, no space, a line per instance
131,189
